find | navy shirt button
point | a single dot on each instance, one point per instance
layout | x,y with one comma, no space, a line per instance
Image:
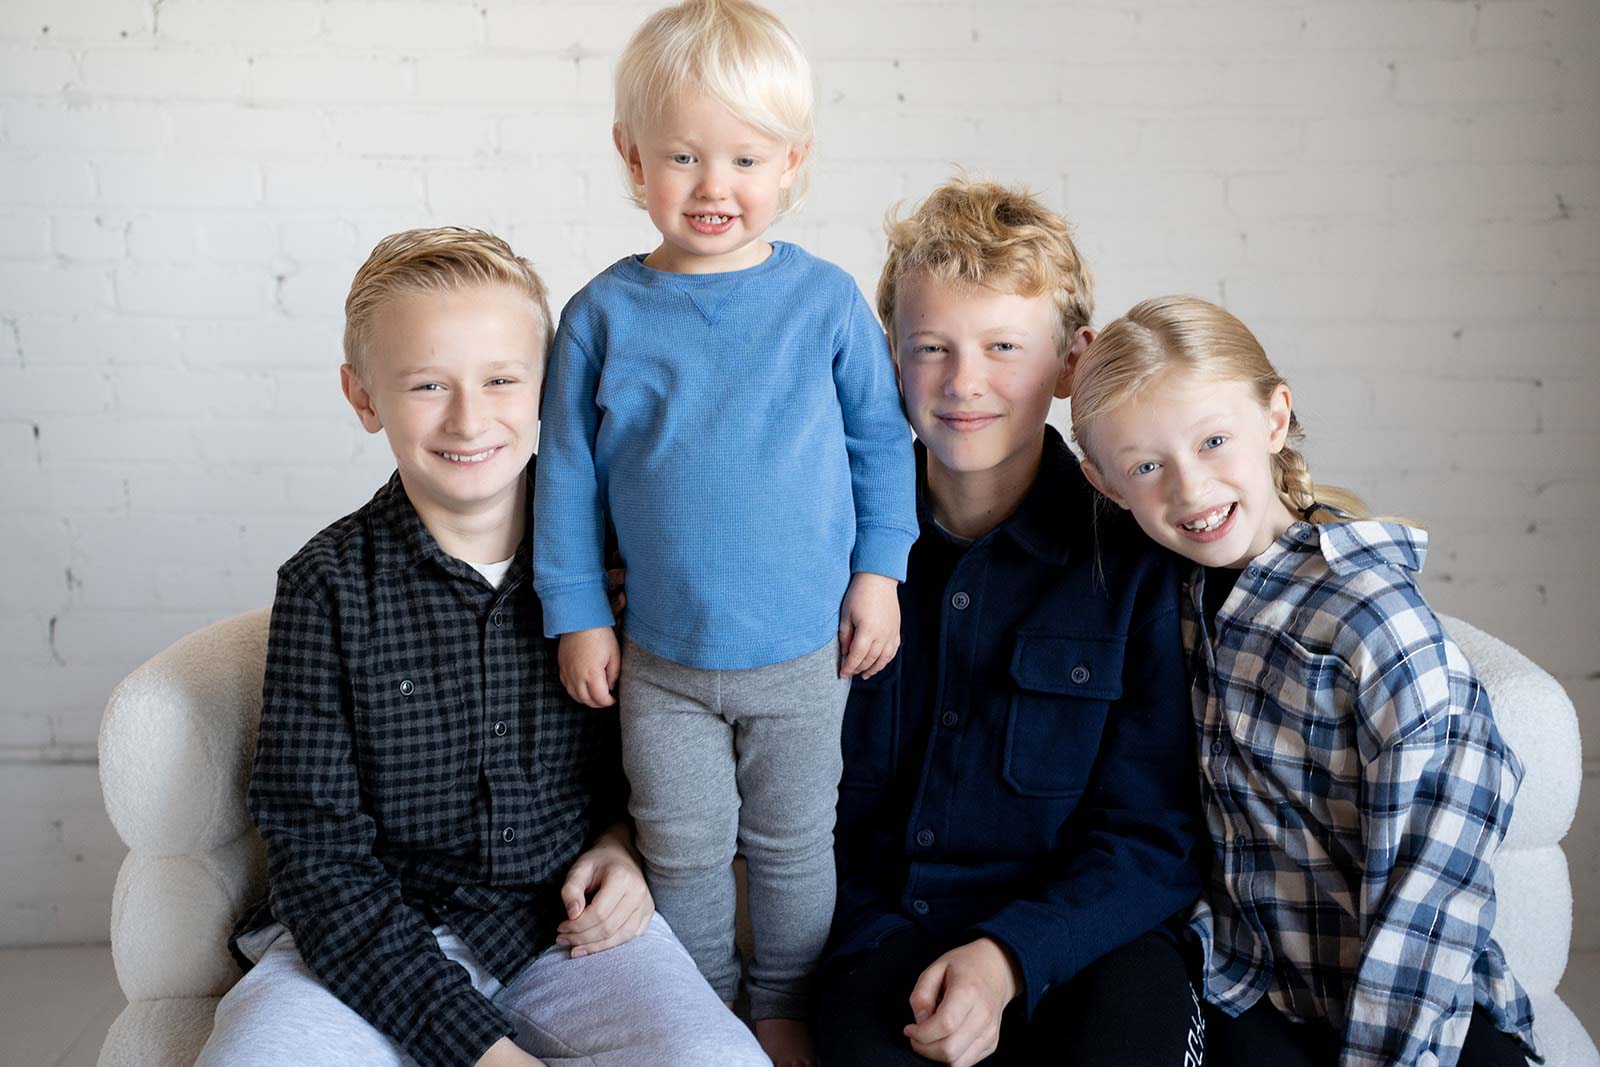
920,907
508,835
1238,841
407,687
949,718
500,728
497,619
925,838
1251,572
1080,674
960,601
1216,748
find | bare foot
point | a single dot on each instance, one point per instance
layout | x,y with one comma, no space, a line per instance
787,1042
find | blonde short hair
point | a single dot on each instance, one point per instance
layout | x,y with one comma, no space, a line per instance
981,233
1189,334
733,51
440,259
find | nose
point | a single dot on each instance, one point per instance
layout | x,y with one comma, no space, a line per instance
1189,482
963,377
466,417
713,183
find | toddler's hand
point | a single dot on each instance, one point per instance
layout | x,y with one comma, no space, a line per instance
590,661
504,1053
869,625
606,898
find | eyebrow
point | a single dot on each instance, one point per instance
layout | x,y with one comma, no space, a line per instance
499,364
1214,417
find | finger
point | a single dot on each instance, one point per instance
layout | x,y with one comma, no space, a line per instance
613,671
846,635
622,936
879,662
861,652
575,888
924,997
938,1028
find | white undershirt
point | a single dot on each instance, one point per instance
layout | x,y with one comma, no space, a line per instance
493,573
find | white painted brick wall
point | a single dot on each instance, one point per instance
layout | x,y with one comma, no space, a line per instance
1402,197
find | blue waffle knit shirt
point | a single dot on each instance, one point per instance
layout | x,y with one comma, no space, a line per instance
743,431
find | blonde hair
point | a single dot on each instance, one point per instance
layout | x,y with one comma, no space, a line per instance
441,259
733,51
1187,333
981,233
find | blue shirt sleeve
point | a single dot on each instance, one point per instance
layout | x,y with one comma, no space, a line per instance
569,512
878,441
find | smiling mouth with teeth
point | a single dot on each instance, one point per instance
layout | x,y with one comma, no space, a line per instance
470,457
1210,520
711,220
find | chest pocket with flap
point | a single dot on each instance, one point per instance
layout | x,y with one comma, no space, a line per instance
1065,684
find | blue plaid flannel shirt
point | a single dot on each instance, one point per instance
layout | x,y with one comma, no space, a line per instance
1355,788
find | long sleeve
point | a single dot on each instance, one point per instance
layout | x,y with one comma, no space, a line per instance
569,506
1128,863
345,910
882,470
1435,802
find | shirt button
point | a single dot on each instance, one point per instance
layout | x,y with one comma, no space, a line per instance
500,728
925,838
920,907
960,601
1080,674
949,718
497,619
407,687
1251,572
508,835
1238,841
1216,748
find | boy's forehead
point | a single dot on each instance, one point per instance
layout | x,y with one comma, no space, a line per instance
490,323
928,296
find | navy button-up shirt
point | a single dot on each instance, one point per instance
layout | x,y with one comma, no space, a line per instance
1023,769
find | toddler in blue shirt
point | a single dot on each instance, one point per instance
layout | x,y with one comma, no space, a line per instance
730,405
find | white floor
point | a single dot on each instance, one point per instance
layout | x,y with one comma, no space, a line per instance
57,1003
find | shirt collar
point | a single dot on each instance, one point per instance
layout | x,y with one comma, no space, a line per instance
401,542
1352,546
1043,523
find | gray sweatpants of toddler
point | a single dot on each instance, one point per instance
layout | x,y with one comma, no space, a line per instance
640,1004
745,759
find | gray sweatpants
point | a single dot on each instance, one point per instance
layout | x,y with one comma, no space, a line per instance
747,759
640,1004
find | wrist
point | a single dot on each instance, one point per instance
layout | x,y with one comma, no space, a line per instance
1008,972
871,578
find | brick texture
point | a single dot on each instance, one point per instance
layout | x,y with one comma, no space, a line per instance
1403,199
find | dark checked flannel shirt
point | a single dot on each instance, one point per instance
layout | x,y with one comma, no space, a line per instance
1356,788
419,764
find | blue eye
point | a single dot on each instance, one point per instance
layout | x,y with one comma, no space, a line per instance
744,162
1145,468
682,158
428,387
1216,440
1005,346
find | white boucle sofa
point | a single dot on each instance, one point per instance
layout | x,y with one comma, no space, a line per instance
179,735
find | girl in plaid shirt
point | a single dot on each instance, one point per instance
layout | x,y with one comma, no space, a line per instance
1355,783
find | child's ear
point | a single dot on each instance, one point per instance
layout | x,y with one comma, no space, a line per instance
359,398
1082,338
1098,480
1280,408
791,164
629,154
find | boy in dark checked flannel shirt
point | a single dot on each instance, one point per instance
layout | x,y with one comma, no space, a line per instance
451,879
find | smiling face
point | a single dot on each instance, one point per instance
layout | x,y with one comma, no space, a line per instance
453,379
1192,459
978,369
713,184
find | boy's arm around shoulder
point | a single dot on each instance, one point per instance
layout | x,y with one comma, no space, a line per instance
569,510
878,442
1132,863
374,952
1436,801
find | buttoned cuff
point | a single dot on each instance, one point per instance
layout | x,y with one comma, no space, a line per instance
881,550
583,607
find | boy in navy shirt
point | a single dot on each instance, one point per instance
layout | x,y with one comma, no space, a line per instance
1017,814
